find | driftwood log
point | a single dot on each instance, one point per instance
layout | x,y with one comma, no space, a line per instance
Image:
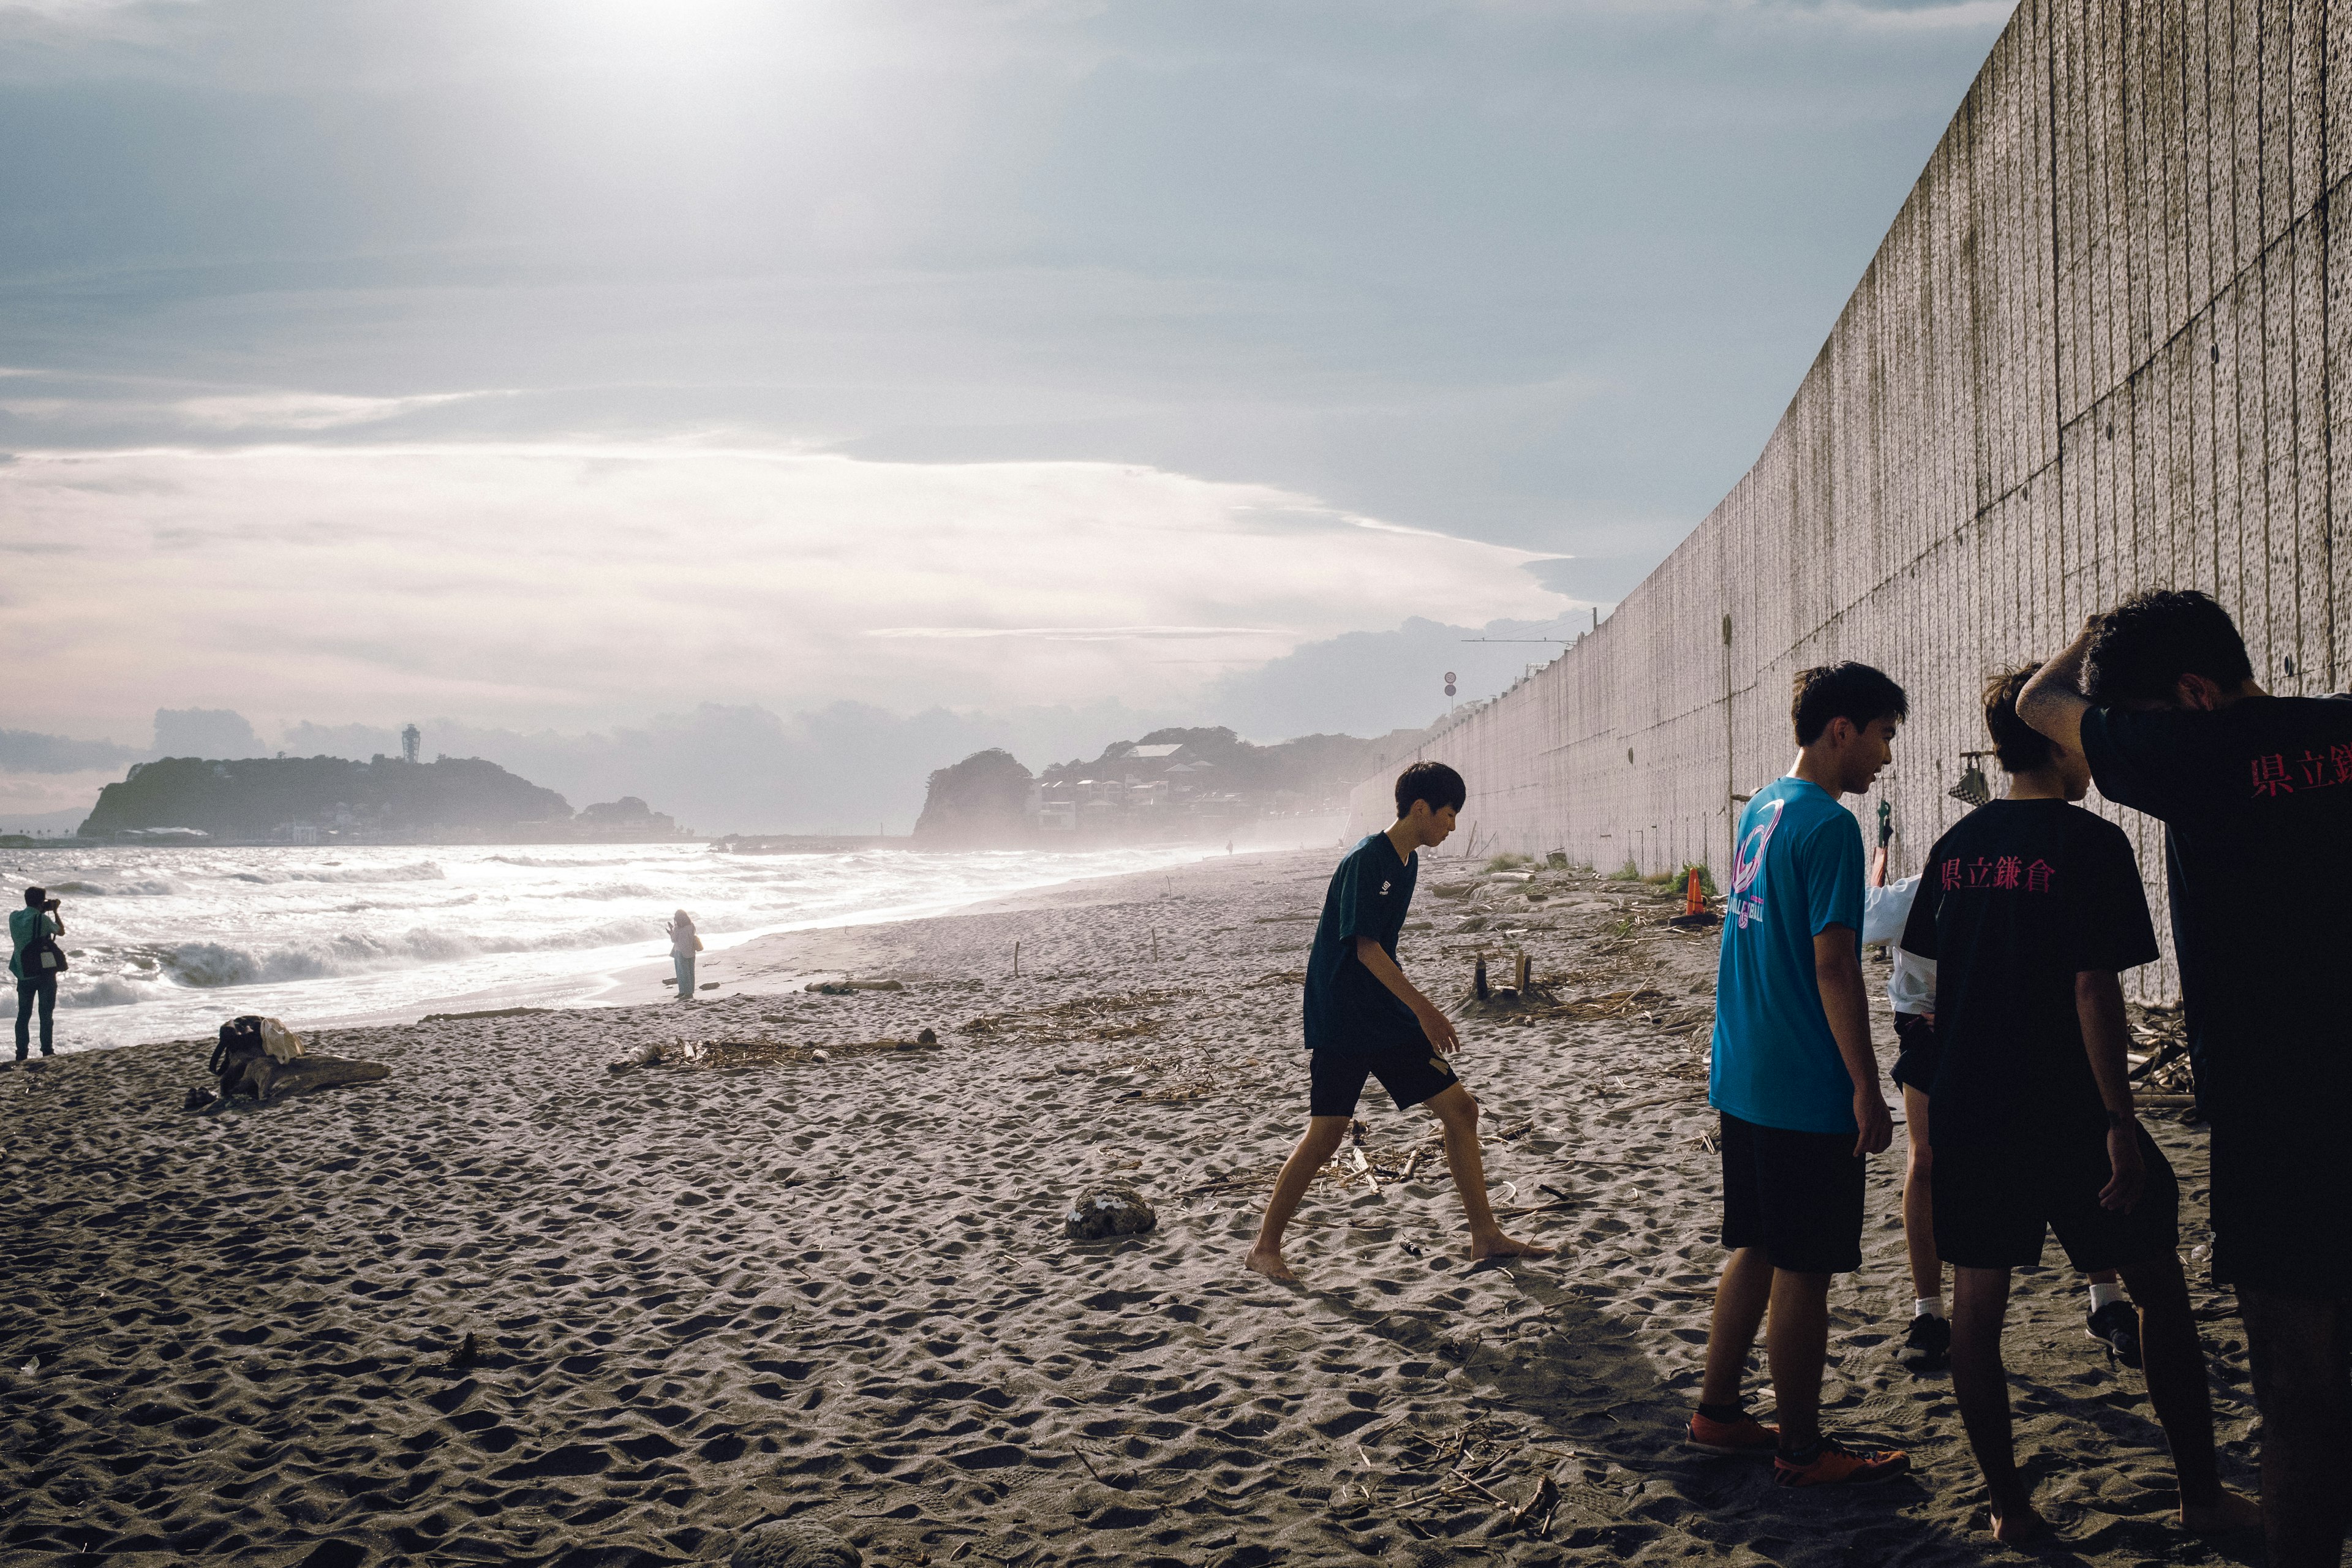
265,1080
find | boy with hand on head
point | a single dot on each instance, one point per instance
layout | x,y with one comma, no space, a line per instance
2255,794
1364,1018
1796,1081
2030,908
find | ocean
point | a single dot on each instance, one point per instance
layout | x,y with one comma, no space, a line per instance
167,943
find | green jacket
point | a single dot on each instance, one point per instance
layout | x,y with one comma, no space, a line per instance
22,929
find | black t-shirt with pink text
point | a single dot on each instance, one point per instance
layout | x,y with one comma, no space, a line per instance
2015,901
2256,800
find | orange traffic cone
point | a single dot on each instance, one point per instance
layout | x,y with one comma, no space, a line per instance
1692,903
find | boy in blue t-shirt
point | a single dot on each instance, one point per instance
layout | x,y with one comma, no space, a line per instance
1365,1019
1795,1079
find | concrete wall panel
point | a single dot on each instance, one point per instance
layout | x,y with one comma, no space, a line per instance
2103,347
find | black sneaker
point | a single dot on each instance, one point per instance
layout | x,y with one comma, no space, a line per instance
1929,1346
2117,1326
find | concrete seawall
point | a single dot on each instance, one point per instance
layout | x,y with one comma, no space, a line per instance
2102,348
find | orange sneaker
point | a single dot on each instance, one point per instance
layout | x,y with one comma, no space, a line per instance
1834,1467
1745,1435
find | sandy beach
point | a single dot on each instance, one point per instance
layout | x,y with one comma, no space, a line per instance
508,1306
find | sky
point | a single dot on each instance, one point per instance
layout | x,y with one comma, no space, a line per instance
1020,372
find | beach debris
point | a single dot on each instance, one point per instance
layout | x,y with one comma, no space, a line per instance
198,1098
1536,1513
734,1055
493,1013
246,1060
793,1543
847,987
1111,1209
464,1354
30,1367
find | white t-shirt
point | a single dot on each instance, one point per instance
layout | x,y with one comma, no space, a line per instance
1884,913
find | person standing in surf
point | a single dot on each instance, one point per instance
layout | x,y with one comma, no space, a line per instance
683,945
31,933
1365,1019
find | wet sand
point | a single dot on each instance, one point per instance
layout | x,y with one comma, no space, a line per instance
510,1307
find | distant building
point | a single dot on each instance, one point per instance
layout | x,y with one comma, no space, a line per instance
410,740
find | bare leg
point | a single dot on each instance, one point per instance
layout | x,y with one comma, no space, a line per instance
1321,1141
1740,1296
2298,1347
1980,1383
1796,1344
1457,1114
2175,1363
1919,1199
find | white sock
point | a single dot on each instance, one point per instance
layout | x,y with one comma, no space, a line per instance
1928,1307
2105,1295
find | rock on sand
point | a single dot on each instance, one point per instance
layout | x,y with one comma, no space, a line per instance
1101,1212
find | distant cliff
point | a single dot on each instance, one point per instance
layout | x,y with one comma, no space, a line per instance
313,799
1173,783
985,799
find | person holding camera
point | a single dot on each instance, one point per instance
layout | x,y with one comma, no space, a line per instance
36,962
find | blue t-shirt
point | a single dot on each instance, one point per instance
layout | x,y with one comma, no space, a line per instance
1347,1008
1798,871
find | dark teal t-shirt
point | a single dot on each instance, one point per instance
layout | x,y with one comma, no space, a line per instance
1347,1008
1797,872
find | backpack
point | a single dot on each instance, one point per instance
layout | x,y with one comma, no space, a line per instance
41,955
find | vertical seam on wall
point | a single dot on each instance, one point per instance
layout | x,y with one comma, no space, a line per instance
2057,371
2324,229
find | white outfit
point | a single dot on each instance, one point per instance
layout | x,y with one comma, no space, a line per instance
1884,913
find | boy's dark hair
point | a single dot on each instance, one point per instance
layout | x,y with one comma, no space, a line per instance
1433,782
36,897
1845,690
2141,649
2021,747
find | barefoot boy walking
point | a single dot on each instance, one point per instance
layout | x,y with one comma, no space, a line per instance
1796,1081
2030,908
1365,1019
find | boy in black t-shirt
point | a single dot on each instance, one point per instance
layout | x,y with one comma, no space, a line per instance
2031,906
2255,794
1364,1019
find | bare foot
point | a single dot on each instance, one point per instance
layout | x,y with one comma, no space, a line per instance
2230,1511
2018,1526
1268,1262
1501,1245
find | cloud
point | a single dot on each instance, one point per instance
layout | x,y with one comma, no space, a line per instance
1367,683
29,751
580,584
302,410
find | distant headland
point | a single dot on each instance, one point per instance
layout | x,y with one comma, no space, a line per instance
1179,783
333,800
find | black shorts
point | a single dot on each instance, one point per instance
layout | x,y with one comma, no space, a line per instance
1993,1201
1409,1067
1916,1063
1798,1195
